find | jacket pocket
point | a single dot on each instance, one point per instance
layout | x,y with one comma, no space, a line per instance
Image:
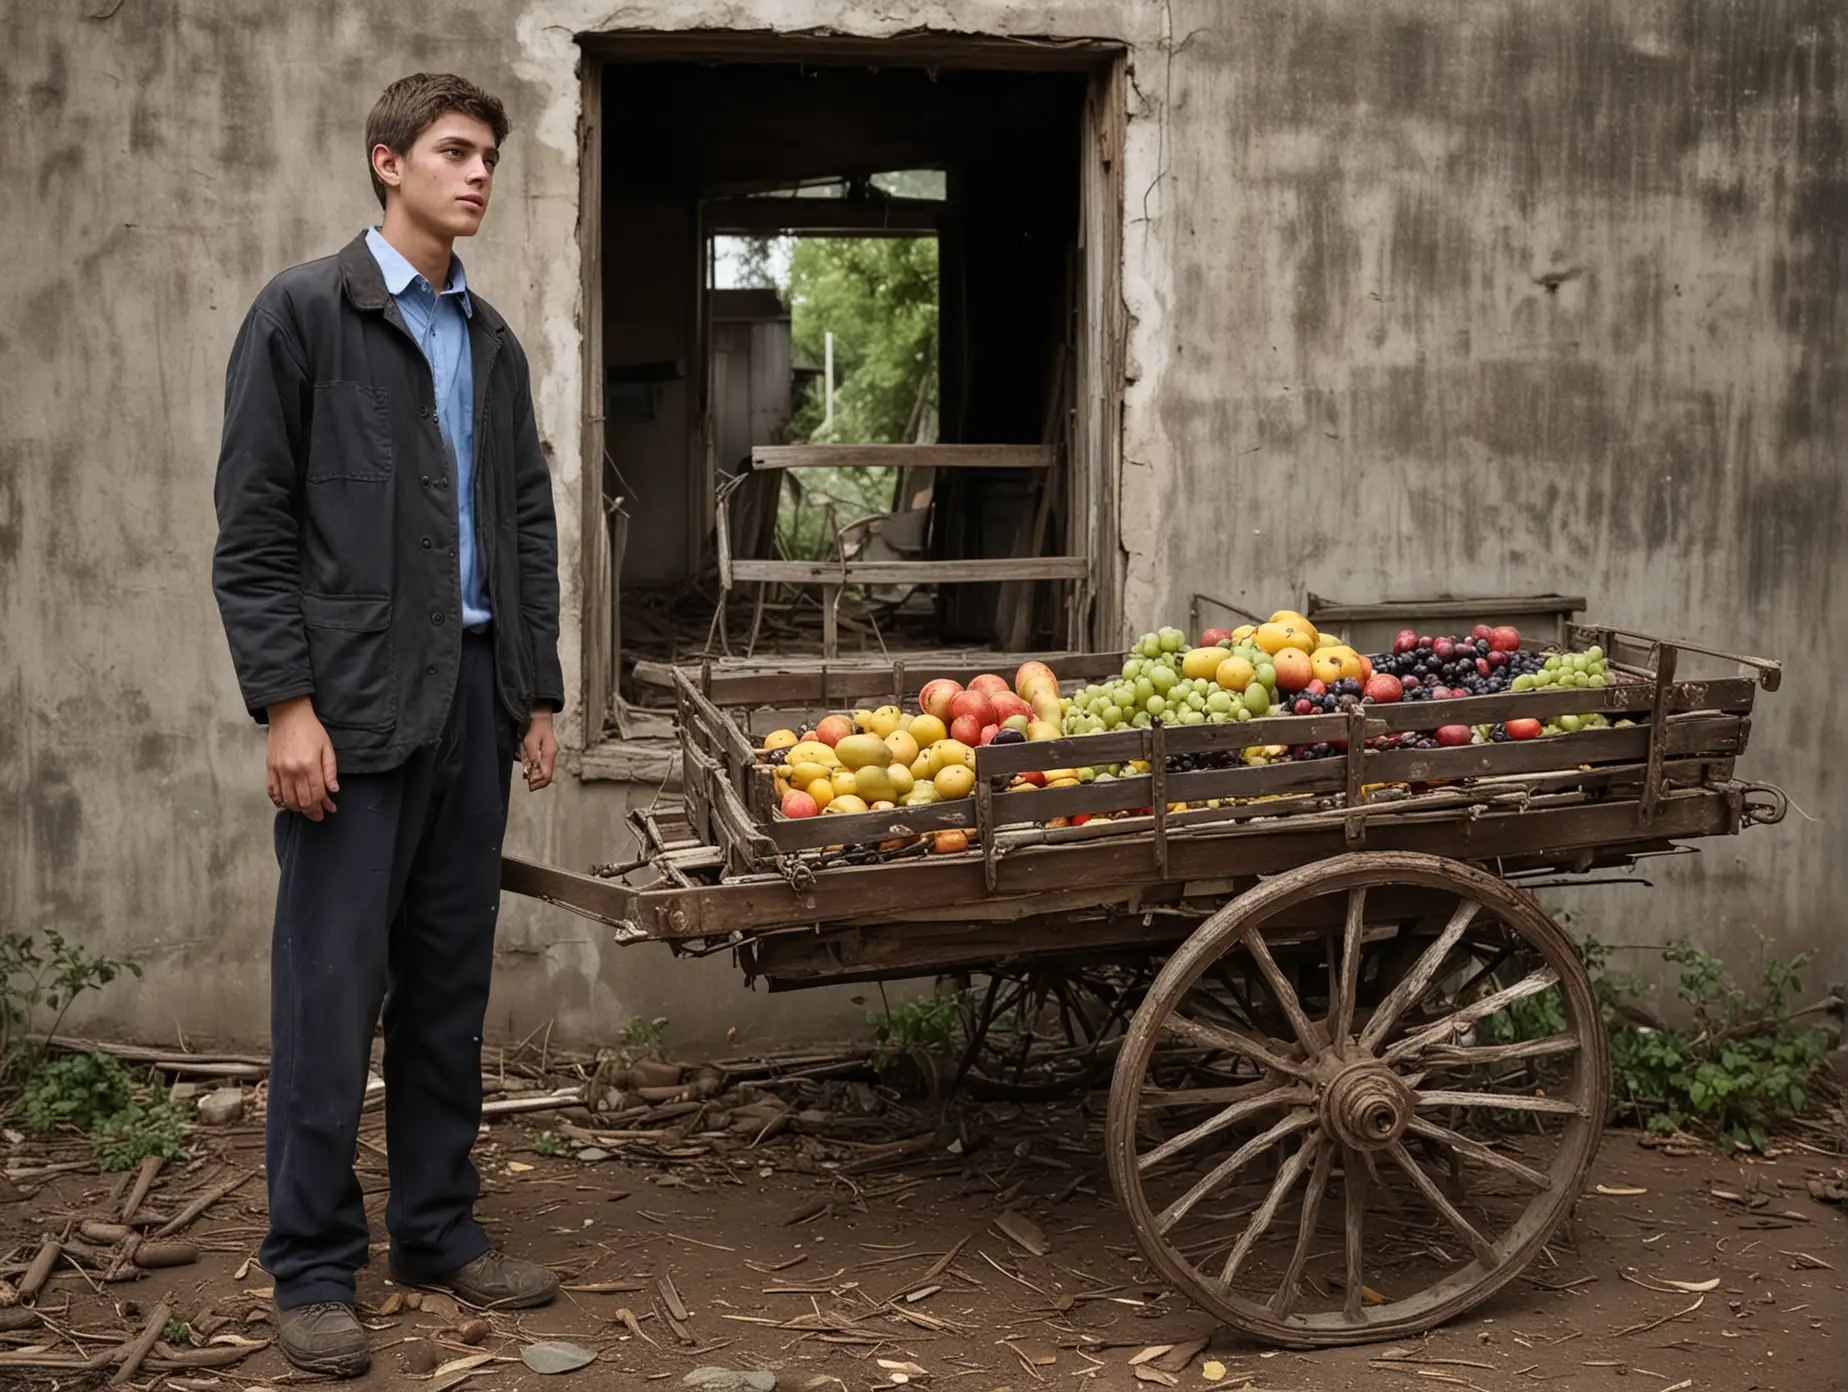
350,651
349,437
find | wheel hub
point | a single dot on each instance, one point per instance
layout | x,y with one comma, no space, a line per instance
1366,1107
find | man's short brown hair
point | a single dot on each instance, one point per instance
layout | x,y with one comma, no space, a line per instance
411,105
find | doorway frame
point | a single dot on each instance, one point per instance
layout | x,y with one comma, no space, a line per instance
1094,465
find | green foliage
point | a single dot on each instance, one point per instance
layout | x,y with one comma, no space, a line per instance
177,1331
915,1043
548,1145
124,1140
51,976
878,297
643,1039
77,1091
1738,1068
96,1094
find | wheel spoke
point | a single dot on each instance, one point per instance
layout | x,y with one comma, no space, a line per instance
1487,1055
1507,1101
1228,1040
1281,990
1448,1211
1343,1023
1354,1182
1463,1145
1468,1015
1156,1099
1272,1096
1419,978
1179,1209
1285,1299
1287,1176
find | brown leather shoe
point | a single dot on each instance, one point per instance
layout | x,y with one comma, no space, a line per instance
326,1337
492,1279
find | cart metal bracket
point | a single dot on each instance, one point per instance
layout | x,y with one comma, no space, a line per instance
1763,804
1354,824
1664,664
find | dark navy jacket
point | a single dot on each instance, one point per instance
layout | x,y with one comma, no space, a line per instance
336,568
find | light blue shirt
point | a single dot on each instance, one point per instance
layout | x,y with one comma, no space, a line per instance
439,323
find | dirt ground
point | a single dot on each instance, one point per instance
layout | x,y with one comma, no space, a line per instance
786,1262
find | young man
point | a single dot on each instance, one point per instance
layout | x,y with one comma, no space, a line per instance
386,569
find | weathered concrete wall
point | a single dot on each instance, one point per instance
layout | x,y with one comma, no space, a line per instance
1335,215
1353,383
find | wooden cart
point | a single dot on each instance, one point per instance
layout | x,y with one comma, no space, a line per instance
1358,1075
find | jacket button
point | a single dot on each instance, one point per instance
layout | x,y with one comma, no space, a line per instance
430,671
427,543
426,480
437,618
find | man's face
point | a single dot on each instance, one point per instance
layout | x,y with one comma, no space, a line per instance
444,180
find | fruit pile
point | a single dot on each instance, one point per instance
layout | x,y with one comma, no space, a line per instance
1243,674
873,760
1488,661
1586,668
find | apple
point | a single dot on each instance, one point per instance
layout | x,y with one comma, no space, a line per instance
1366,669
1522,729
1404,642
936,696
1382,689
797,803
988,734
1450,736
973,703
989,685
1006,703
1425,640
967,729
1213,637
1445,649
1016,722
1035,777
1479,632
1080,818
833,729
1318,687
1507,638
1303,705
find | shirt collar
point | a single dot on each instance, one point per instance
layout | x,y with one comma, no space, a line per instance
399,273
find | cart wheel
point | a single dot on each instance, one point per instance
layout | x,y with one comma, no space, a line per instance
1407,1029
1048,1033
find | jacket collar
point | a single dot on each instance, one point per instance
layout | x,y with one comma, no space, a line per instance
365,285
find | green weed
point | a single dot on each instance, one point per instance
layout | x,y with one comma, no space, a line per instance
1736,1070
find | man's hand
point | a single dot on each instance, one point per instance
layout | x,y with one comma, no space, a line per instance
301,760
539,752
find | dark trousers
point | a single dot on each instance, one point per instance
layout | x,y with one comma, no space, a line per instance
393,900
